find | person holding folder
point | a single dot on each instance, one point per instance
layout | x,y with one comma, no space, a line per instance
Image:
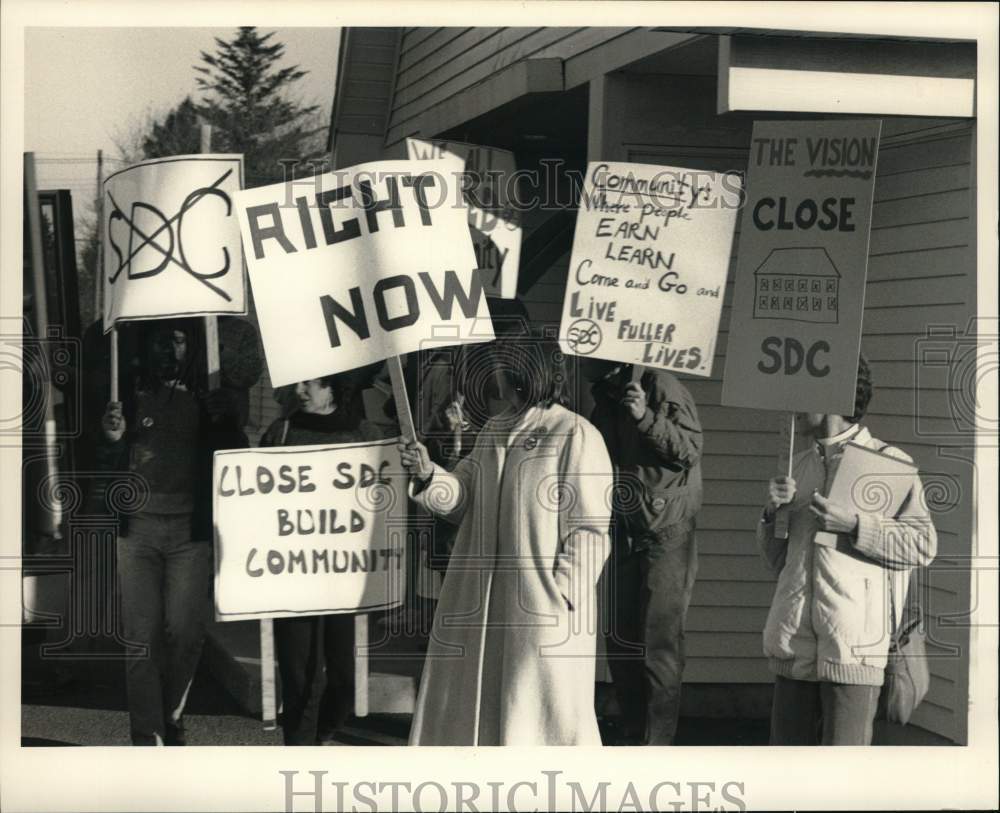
843,574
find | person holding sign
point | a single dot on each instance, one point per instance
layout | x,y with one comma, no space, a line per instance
512,652
166,433
315,653
654,436
843,574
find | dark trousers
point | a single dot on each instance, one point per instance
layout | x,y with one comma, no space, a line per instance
820,713
651,591
316,663
166,589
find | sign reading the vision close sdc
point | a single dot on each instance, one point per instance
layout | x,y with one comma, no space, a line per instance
799,292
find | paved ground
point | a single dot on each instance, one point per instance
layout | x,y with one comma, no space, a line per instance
83,703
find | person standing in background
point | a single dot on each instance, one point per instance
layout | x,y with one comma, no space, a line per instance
166,432
315,653
654,438
827,636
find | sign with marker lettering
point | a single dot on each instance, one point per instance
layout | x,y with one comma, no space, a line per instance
494,222
648,270
354,266
308,530
171,240
799,288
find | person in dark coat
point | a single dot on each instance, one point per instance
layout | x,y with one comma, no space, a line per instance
654,438
316,652
165,432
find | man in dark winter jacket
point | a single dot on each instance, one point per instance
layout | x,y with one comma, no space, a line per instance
166,433
653,435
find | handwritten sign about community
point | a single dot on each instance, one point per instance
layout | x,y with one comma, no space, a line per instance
171,240
308,530
494,222
354,266
799,290
648,269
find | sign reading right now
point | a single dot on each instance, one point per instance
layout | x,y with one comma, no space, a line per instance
799,289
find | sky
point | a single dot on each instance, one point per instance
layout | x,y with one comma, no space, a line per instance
85,88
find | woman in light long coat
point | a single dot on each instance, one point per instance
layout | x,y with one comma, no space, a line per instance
512,650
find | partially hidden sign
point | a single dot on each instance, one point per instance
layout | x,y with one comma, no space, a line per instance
799,290
305,530
648,269
171,240
494,221
354,266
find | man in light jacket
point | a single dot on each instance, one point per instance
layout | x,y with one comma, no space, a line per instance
653,435
835,608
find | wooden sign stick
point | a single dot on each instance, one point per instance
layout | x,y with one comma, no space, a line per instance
361,666
213,368
636,374
114,363
786,434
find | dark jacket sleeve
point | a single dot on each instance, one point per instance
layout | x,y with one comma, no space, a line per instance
670,426
272,435
214,435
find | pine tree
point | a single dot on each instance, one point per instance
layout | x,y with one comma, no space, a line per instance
248,104
177,134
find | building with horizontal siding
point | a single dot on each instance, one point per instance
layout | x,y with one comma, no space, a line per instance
558,97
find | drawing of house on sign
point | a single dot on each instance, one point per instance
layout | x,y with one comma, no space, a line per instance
800,284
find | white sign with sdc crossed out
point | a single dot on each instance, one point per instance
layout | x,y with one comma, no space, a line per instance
171,239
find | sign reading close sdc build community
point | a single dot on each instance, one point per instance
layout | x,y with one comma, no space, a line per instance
355,266
171,240
799,290
308,529
648,269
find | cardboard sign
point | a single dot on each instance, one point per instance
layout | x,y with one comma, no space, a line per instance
171,240
352,267
495,224
799,292
648,269
868,481
306,530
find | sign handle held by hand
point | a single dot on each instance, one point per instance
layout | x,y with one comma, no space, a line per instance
786,433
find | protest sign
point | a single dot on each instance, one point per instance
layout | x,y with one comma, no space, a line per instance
648,268
352,267
494,222
171,243
799,288
308,530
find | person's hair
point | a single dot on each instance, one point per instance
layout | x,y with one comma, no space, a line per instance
863,391
341,386
535,368
190,373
